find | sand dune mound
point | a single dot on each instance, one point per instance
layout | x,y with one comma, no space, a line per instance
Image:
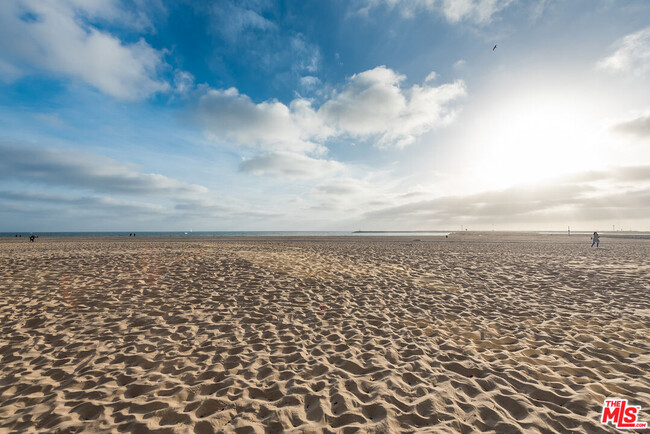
321,335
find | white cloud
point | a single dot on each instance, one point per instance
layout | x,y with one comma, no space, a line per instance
350,195
95,202
587,197
475,11
632,55
309,82
369,99
53,167
227,115
306,56
431,77
183,81
54,36
289,165
232,20
68,186
52,119
248,31
478,11
639,126
343,187
9,72
373,104
225,208
358,191
537,9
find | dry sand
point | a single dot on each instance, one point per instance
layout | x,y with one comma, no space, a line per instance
478,332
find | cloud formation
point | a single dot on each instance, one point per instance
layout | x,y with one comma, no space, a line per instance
57,37
632,55
374,105
183,81
307,56
454,11
105,204
254,34
342,187
371,106
87,189
230,117
209,209
639,127
84,171
233,19
288,164
575,198
351,196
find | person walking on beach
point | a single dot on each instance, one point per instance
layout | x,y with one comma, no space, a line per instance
595,239
31,238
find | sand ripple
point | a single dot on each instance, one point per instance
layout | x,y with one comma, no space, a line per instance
321,335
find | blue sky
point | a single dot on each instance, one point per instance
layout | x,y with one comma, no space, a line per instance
332,115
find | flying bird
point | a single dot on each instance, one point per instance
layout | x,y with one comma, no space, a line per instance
495,47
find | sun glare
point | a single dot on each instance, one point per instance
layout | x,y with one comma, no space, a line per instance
534,139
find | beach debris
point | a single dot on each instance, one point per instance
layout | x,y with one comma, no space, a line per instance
471,375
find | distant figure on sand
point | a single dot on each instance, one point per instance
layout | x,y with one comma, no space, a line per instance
31,238
595,239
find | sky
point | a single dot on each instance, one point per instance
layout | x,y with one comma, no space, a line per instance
330,115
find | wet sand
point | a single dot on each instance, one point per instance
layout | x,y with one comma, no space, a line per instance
478,332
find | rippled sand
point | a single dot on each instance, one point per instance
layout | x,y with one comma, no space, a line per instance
471,333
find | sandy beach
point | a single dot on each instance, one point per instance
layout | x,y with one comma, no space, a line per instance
478,332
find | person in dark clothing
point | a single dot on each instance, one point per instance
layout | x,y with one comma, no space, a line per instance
595,239
31,238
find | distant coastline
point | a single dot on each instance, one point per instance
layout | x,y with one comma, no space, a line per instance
358,233
404,233
195,234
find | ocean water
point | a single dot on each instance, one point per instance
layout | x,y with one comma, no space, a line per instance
606,234
226,234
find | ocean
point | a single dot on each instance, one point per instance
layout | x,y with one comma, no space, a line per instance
225,234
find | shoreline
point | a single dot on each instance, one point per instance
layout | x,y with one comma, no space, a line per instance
467,237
